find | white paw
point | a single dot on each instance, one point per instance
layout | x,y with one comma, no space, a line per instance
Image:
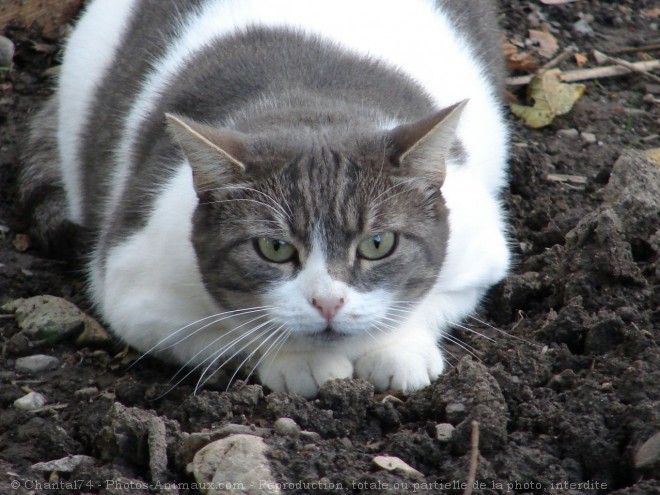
303,373
395,367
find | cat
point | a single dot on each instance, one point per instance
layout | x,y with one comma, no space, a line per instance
310,186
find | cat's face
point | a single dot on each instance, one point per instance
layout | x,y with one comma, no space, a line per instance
327,234
333,241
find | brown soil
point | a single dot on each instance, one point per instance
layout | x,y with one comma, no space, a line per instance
564,399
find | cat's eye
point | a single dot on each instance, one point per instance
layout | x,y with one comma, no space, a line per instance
275,250
377,246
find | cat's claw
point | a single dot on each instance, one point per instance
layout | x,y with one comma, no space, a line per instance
394,368
303,374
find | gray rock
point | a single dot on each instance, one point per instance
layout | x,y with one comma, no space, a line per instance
287,427
50,318
37,363
583,27
235,465
7,50
444,432
30,402
390,463
456,412
648,455
568,133
588,137
67,464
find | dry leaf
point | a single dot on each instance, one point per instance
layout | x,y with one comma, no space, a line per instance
22,242
524,61
550,98
580,59
653,154
654,12
545,43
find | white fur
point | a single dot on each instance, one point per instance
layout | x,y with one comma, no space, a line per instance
149,286
410,45
89,53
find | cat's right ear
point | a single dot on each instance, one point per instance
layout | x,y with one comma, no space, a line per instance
213,153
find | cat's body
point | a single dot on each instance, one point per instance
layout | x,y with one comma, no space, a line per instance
328,220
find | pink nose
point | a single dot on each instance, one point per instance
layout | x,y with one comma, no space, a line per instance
328,306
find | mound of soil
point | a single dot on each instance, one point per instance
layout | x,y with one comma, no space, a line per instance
563,378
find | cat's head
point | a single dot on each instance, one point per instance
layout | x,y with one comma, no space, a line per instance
337,233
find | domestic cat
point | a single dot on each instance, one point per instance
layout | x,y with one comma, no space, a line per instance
310,186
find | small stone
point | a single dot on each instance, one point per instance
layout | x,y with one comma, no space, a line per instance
393,399
36,364
583,27
7,50
588,137
49,317
86,392
286,427
311,436
648,455
389,463
238,460
444,432
456,412
30,402
67,464
568,133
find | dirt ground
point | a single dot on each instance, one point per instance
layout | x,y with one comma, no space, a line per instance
567,394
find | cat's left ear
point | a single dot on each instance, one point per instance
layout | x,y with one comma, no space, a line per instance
215,154
421,148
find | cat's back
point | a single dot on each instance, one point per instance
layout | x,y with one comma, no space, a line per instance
125,54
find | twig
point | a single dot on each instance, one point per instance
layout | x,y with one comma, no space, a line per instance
624,63
559,58
595,73
7,317
474,458
636,49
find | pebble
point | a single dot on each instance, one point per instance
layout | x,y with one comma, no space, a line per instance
455,412
588,137
648,455
286,427
86,392
568,133
235,460
50,318
583,27
7,50
444,432
67,464
37,363
310,436
30,402
390,463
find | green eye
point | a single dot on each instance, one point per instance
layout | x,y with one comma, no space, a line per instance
377,246
274,250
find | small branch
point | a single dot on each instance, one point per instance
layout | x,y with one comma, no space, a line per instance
7,317
560,58
624,63
474,458
636,49
595,73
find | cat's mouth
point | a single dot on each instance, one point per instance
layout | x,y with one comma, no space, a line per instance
329,334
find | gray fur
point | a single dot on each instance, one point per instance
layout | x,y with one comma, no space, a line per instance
41,192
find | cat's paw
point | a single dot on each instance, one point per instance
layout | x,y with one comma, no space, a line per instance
303,373
394,367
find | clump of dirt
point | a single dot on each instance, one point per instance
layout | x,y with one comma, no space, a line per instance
563,379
